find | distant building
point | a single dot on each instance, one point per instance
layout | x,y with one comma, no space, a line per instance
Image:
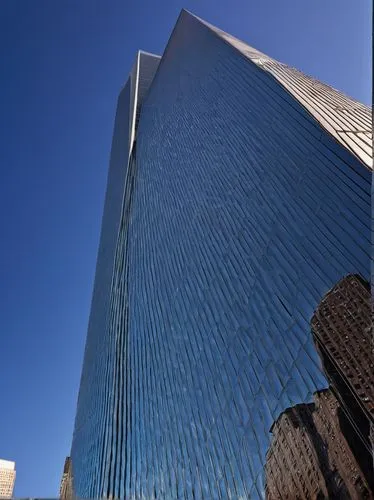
66,488
7,478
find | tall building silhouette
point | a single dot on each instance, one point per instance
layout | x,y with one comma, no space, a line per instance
238,195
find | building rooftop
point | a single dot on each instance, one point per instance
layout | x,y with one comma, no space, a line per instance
7,464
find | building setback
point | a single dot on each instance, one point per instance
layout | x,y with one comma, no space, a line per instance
238,195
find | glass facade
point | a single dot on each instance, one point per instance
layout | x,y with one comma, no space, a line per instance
231,212
95,401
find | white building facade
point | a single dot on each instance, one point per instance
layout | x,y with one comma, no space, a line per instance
7,478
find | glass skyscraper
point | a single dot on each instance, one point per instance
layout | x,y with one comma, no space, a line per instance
237,213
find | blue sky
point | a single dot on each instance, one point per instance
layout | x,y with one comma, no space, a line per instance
62,66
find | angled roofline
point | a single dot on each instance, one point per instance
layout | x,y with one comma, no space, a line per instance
333,110
144,52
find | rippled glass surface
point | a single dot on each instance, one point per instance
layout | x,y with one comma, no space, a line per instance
240,214
90,423
95,432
